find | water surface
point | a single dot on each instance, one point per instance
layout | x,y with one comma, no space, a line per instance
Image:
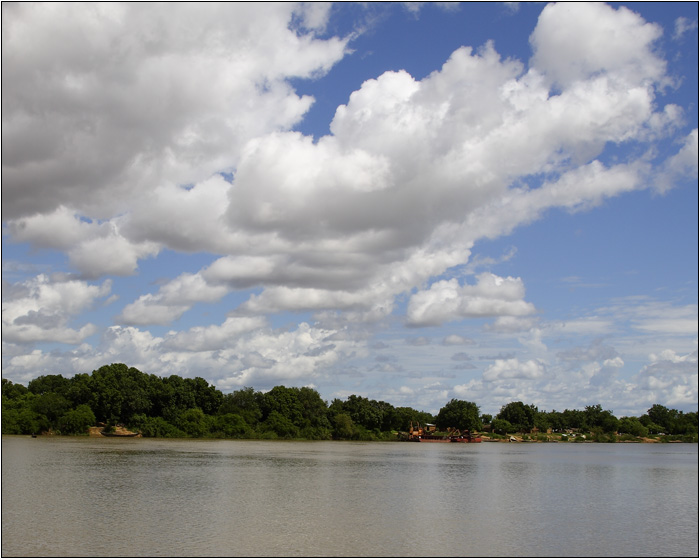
79,496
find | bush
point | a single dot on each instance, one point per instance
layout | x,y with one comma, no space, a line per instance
155,427
77,421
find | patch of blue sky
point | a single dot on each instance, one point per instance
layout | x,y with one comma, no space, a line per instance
21,261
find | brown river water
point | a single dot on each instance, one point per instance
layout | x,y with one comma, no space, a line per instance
100,497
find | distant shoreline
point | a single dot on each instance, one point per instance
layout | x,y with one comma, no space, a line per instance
120,432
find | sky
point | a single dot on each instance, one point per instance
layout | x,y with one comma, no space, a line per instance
410,202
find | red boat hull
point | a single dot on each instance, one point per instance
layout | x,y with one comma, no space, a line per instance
429,439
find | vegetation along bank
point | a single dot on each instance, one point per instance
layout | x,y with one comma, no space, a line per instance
118,395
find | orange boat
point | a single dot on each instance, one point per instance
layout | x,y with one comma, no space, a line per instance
428,434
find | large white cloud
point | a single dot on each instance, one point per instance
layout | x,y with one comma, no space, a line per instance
103,100
576,40
117,119
447,300
40,309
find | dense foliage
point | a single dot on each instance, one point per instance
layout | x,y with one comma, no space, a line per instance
190,407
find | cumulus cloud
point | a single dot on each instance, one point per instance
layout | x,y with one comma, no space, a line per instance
171,301
409,165
131,129
514,369
574,41
447,300
456,339
40,309
104,100
671,377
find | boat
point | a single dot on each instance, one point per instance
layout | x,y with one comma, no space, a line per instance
428,434
468,438
119,431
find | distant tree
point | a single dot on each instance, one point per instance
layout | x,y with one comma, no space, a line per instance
686,424
77,421
245,402
50,405
542,421
206,396
632,426
343,427
501,426
459,414
11,390
285,402
596,418
364,412
402,418
46,384
282,426
194,423
662,416
519,415
229,425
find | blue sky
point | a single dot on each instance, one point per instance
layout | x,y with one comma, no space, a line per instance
408,202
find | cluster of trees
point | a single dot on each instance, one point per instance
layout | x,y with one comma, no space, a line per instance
519,417
190,407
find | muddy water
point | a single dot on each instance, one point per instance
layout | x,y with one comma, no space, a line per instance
79,496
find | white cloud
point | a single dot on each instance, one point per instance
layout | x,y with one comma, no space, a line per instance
171,301
114,140
215,337
456,339
446,300
514,369
412,174
671,378
40,309
576,40
683,25
101,101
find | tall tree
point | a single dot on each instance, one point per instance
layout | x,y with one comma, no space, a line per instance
519,415
459,414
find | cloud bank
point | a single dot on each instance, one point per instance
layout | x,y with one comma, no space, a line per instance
134,129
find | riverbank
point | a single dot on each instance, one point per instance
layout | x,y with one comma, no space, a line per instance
117,432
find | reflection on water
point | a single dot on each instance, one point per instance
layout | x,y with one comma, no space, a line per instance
142,497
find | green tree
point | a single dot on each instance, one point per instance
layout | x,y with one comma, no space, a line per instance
362,413
77,421
50,405
520,416
206,396
12,391
501,426
459,414
285,402
47,384
343,427
662,416
282,426
194,423
632,426
245,402
402,417
230,425
600,420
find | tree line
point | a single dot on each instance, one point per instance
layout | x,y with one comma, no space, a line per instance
190,407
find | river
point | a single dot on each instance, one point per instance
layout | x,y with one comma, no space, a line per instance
106,497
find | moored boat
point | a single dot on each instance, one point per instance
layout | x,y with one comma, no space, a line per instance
428,434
